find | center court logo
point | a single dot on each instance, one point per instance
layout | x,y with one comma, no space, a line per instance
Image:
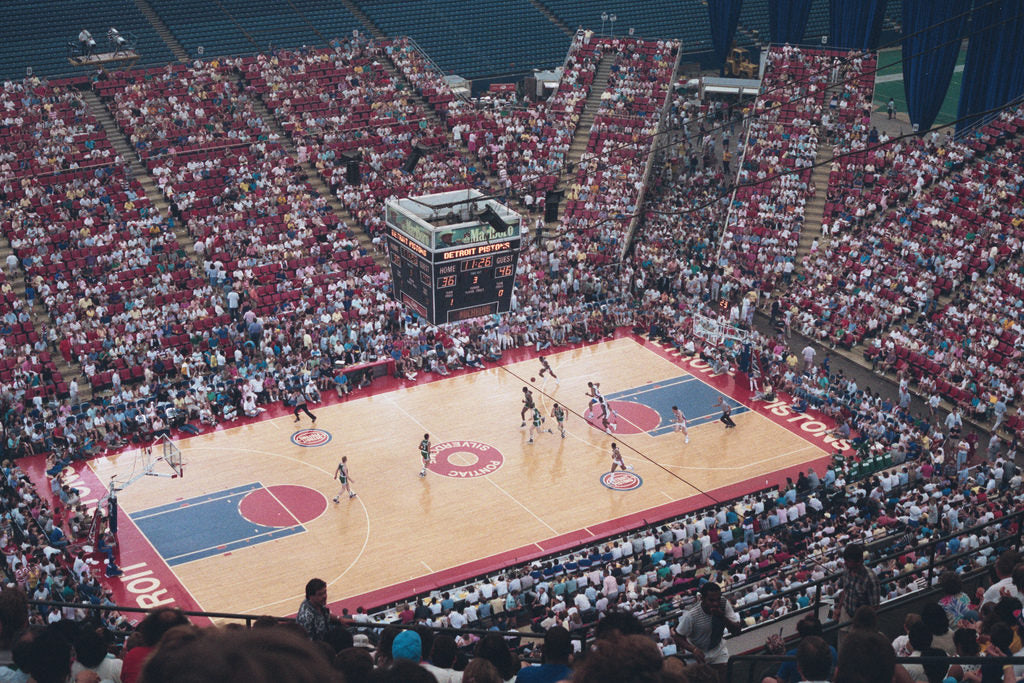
621,481
465,459
309,438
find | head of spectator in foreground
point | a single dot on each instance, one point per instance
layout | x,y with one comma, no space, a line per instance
316,592
13,615
621,659
814,659
444,651
480,670
1005,563
557,646
356,663
865,619
865,657
49,659
618,624
407,645
935,618
237,656
90,648
160,621
494,649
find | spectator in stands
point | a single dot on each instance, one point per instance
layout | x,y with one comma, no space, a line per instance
807,628
701,628
13,618
257,655
865,657
150,630
313,614
91,655
555,659
859,585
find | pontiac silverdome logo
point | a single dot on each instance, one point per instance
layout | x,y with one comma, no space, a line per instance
464,459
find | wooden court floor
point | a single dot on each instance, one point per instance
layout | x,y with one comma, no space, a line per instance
404,528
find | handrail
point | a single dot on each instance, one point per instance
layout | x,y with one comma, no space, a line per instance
657,142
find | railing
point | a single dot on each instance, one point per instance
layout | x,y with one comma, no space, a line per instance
656,140
753,638
755,665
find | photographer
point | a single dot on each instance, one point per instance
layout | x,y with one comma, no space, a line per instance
701,628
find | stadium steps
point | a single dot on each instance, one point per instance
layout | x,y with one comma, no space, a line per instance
135,168
815,209
359,14
161,29
552,17
317,183
582,134
493,182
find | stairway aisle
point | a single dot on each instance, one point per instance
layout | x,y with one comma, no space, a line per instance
815,209
318,184
177,49
359,14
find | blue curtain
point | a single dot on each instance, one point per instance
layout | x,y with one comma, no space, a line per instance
932,31
856,24
994,71
724,15
787,20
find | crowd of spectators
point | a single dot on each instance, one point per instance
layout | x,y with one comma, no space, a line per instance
279,297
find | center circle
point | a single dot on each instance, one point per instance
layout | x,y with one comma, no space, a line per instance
464,459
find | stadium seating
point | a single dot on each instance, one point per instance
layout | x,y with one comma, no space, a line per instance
460,35
39,37
233,27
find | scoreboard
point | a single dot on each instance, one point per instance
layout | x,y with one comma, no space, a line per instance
448,285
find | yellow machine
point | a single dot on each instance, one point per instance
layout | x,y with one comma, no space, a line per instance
738,65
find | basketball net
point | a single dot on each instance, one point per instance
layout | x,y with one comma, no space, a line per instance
146,459
715,332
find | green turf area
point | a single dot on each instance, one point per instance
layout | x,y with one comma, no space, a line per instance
889,83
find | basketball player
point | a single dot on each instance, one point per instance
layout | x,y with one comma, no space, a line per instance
726,412
341,474
617,459
597,398
558,413
535,424
546,367
527,405
679,423
299,401
425,454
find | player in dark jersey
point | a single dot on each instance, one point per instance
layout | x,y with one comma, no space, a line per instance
341,474
425,454
527,405
558,412
546,367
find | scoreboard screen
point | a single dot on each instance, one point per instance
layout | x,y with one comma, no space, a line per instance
454,284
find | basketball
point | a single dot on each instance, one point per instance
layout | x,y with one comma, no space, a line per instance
532,380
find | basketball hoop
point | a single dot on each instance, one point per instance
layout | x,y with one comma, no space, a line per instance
144,463
715,332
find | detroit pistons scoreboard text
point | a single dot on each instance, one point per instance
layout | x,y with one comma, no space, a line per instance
453,255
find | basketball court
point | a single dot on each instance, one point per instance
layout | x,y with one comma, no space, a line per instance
252,517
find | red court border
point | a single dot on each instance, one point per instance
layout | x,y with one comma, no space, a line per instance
149,581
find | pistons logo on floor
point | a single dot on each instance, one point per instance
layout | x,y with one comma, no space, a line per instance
310,438
622,481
